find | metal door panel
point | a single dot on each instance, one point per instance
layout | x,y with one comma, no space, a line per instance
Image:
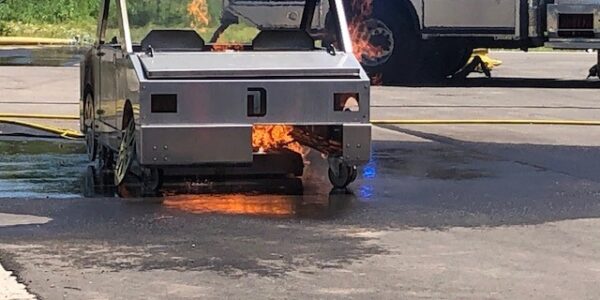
470,14
108,86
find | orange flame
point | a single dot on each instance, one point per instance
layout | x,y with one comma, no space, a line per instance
235,204
359,31
198,9
222,45
226,47
272,137
377,79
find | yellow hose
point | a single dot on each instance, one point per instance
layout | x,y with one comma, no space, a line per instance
486,122
29,41
39,116
65,133
68,133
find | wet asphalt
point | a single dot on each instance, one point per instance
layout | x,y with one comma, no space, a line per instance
233,227
451,212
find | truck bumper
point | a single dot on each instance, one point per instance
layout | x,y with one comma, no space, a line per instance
574,24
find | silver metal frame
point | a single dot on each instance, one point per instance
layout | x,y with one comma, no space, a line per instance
124,23
345,33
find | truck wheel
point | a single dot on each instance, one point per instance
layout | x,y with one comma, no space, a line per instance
90,129
444,58
393,32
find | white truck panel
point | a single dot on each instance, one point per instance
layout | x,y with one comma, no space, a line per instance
470,13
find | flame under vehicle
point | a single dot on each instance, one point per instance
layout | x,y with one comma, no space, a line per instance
170,103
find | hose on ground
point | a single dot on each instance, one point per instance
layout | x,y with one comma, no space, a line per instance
62,132
32,41
486,122
74,134
39,116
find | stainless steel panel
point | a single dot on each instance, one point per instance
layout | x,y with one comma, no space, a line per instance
293,101
470,13
249,64
195,144
581,44
357,142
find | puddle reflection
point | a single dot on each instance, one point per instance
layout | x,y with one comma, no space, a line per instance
58,56
59,169
303,206
40,169
263,197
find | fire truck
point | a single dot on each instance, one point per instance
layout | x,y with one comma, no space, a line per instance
430,39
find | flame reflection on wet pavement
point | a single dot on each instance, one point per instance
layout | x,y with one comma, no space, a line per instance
259,197
59,169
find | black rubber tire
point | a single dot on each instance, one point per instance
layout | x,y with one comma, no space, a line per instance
353,174
151,182
105,158
344,178
444,58
404,62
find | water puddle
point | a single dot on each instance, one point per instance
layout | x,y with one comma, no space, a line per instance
50,168
41,168
260,197
434,163
64,56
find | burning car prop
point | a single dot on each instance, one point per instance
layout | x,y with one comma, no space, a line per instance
173,104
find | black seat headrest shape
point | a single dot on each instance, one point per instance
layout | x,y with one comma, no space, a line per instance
283,40
173,39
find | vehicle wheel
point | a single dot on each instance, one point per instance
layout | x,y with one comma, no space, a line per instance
343,176
444,58
151,181
392,30
105,158
90,128
126,152
459,60
89,182
353,174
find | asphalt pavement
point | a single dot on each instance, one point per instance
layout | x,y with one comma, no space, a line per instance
443,212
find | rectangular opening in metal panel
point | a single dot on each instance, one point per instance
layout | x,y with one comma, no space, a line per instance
346,102
576,25
257,102
163,103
